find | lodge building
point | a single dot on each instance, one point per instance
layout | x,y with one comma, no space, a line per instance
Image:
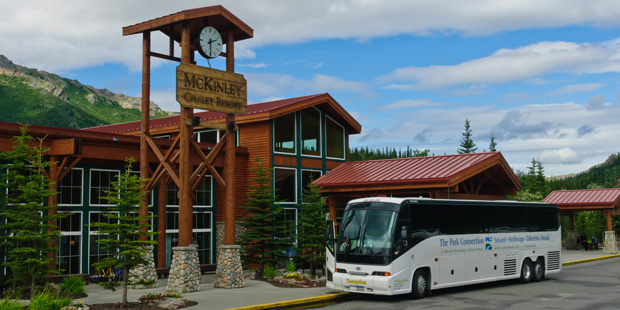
300,139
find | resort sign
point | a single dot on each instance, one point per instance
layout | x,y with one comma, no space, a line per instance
209,89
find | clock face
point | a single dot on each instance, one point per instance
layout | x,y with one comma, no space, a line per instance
209,42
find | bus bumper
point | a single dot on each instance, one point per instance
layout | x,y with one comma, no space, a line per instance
376,285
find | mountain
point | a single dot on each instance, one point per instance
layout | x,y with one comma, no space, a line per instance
31,96
605,175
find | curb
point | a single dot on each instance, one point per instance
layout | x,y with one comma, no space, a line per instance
589,260
341,296
291,304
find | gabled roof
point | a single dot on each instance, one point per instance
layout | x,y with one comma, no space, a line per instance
604,197
255,112
217,16
434,171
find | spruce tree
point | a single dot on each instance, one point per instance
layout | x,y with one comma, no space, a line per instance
27,229
313,223
124,227
261,242
493,144
467,144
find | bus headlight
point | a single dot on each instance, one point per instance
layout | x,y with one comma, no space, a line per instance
381,273
340,270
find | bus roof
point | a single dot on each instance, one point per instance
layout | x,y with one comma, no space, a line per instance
499,203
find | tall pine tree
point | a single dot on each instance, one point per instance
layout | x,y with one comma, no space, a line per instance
27,229
313,223
261,242
467,144
123,228
493,144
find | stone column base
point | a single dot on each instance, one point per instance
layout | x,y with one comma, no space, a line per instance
570,243
610,243
184,271
140,276
229,272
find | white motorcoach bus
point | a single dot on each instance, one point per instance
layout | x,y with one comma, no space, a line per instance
390,246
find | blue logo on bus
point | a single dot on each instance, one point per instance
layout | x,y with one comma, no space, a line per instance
488,247
488,239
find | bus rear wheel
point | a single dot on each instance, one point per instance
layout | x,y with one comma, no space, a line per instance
539,271
526,271
419,285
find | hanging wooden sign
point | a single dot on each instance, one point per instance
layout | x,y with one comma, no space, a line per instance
209,89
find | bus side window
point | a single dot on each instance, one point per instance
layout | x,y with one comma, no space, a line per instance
401,232
424,222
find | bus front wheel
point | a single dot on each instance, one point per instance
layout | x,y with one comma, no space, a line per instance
419,287
526,271
539,270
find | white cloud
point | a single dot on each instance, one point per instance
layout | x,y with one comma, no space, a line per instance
410,103
254,65
509,65
563,155
576,88
70,34
270,84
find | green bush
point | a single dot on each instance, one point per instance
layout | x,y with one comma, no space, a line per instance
73,284
46,300
290,266
10,304
270,272
173,295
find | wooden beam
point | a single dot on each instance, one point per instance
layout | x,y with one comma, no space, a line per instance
211,125
65,147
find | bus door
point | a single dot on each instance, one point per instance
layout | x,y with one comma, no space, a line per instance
330,255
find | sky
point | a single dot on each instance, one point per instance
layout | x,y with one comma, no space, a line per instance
540,76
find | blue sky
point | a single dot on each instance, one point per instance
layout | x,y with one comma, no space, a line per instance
541,76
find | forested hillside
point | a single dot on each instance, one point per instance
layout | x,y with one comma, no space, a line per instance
605,175
30,96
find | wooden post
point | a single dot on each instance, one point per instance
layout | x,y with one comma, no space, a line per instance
571,221
53,201
229,165
185,165
331,203
145,124
609,220
161,226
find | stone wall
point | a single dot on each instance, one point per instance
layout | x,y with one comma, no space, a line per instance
229,272
610,245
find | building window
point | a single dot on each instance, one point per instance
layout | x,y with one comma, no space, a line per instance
202,193
311,132
101,181
70,188
96,251
284,134
209,136
290,224
70,243
285,184
307,176
334,135
201,235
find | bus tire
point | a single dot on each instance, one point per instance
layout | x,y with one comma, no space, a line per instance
419,285
538,273
526,271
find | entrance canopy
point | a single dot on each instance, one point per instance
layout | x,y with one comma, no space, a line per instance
571,201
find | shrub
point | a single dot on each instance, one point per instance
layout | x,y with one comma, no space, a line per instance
270,272
73,284
290,266
173,295
47,300
150,297
10,304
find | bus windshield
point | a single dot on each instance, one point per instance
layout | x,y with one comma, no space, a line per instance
366,236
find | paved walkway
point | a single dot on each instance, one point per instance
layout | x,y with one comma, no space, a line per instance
262,295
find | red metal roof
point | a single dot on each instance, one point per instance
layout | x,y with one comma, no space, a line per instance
254,111
433,169
585,197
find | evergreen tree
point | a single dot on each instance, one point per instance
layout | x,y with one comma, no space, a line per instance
493,144
27,229
467,144
313,223
124,227
261,242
